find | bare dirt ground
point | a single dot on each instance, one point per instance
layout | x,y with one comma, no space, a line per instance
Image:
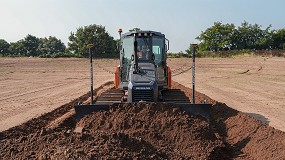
253,85
143,131
33,86
30,87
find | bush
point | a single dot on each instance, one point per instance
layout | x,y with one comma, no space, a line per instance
106,55
224,54
178,55
11,55
60,54
66,55
45,56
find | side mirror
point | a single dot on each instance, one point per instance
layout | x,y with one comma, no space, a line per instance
167,45
153,57
132,58
122,55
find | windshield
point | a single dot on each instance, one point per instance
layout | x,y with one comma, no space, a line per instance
144,49
149,47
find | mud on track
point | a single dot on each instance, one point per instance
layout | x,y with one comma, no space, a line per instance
143,131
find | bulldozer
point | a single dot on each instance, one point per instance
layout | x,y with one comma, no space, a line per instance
143,76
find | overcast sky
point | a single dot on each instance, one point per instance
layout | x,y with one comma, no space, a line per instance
180,20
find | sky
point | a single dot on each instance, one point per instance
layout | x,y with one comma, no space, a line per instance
180,20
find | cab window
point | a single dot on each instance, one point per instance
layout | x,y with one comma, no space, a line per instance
157,49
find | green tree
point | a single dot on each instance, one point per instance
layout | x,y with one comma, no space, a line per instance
278,39
50,45
18,48
227,36
243,38
31,44
217,37
4,47
104,43
189,50
263,38
248,36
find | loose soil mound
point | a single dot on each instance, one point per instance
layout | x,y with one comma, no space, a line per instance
143,131
170,132
246,137
126,131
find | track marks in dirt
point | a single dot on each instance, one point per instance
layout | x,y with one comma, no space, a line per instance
181,70
33,91
105,69
44,120
245,72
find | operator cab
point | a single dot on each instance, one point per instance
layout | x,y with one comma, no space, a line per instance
142,48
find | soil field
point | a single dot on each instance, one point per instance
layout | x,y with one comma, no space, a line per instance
30,87
253,85
42,92
143,131
33,86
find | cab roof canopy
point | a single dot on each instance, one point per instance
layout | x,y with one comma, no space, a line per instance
142,32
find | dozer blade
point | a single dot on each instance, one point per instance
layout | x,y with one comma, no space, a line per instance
178,98
102,102
83,110
197,109
192,109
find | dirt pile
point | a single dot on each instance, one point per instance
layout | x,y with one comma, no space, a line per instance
246,137
126,131
168,130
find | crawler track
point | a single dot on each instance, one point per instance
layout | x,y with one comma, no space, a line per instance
175,95
115,96
110,96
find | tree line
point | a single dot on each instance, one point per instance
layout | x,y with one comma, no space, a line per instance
31,46
52,46
218,37
247,36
